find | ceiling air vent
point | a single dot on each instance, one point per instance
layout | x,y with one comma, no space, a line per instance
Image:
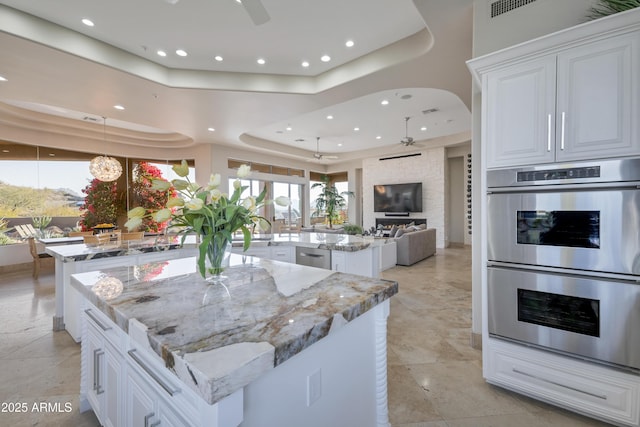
503,6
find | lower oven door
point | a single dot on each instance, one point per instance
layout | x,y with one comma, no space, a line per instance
594,230
582,316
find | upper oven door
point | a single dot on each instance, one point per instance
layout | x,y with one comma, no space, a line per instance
596,230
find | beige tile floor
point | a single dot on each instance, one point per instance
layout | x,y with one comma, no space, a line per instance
435,378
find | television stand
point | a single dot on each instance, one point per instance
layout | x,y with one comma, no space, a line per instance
389,222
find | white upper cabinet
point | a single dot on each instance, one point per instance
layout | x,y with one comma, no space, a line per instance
520,105
573,95
597,100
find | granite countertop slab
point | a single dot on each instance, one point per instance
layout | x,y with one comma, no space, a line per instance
336,242
217,339
83,252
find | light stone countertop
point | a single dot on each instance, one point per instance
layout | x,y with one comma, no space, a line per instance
217,339
83,252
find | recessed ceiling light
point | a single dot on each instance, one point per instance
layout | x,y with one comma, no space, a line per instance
340,144
218,58
356,129
384,102
288,127
181,52
161,53
305,64
88,22
325,58
3,79
52,155
211,129
329,117
118,107
423,128
261,61
378,137
5,151
349,43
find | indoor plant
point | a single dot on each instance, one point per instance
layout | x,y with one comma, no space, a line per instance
609,7
208,212
330,201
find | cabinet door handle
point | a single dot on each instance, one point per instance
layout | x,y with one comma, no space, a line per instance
96,371
311,255
147,418
156,424
95,319
562,133
152,374
548,132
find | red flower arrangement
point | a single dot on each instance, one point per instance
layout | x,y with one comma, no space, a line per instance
101,204
146,197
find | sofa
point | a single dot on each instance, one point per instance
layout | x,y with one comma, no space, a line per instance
414,245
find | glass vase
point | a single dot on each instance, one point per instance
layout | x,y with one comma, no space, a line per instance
216,252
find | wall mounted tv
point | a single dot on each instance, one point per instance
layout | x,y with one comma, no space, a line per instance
398,197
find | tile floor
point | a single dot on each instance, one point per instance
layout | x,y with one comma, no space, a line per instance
435,377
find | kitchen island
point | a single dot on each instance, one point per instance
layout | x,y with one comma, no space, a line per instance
77,258
278,344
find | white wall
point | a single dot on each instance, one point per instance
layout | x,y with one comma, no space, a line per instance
430,168
524,23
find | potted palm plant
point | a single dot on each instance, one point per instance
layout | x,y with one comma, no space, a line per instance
330,200
609,7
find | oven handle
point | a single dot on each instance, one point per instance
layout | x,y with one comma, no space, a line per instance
559,188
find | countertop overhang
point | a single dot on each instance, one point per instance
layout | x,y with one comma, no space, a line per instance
216,338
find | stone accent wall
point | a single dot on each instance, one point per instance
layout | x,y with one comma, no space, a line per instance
428,168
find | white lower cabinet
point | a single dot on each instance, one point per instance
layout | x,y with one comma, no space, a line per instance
594,390
102,377
283,253
356,262
126,385
145,406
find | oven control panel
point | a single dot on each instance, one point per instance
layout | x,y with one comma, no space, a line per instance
552,174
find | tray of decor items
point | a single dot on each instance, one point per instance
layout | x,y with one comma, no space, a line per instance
103,228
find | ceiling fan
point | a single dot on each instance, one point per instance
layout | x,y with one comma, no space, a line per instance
317,154
407,140
256,11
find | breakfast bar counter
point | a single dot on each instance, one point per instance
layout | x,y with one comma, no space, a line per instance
274,344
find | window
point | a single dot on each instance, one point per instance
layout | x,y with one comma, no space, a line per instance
292,214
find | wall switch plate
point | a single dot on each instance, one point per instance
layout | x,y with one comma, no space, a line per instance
314,387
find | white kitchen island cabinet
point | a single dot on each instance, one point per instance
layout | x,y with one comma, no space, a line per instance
279,344
573,101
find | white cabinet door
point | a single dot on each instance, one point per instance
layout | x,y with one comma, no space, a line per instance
579,104
597,104
94,374
140,401
112,413
519,105
282,253
339,261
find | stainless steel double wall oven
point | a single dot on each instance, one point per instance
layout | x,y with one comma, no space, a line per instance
564,258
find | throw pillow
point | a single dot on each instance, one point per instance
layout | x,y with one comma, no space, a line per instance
422,226
393,231
399,233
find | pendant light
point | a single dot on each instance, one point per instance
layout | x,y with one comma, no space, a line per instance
105,168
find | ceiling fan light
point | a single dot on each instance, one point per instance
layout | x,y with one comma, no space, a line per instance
105,168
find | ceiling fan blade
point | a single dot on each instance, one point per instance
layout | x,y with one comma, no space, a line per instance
256,11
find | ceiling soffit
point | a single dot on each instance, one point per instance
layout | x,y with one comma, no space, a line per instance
46,33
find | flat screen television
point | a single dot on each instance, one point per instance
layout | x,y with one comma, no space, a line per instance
398,197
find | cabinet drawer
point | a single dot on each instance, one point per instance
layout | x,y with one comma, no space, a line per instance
587,388
107,329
